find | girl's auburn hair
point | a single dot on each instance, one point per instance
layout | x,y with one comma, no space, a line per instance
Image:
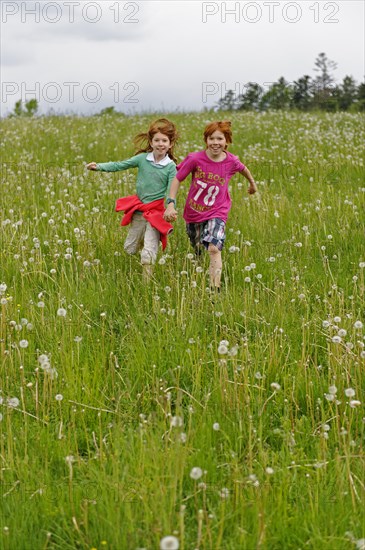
163,126
222,126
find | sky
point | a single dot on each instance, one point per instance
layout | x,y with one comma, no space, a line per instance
167,55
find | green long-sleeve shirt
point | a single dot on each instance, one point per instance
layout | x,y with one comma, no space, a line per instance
153,180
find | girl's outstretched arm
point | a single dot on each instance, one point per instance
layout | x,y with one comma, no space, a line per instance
247,174
91,166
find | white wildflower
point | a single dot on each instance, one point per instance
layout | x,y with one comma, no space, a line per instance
196,473
169,543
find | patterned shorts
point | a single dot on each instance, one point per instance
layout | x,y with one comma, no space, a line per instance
210,231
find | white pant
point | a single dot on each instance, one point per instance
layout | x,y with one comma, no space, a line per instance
141,234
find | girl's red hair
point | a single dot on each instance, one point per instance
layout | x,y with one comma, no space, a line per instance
221,126
163,126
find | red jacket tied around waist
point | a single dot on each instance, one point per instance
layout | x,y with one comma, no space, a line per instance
152,212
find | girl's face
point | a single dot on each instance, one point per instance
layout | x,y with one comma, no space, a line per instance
216,143
160,144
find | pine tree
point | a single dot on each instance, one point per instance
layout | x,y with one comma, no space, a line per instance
278,96
302,93
250,100
324,83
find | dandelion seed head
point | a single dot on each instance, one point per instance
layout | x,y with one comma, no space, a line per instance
3,288
61,312
169,543
176,422
233,351
196,473
222,349
329,396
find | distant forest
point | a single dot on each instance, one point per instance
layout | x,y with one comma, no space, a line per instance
305,94
319,93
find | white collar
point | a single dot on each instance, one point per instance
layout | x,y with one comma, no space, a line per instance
163,162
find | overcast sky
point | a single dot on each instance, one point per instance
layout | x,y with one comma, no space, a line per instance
83,56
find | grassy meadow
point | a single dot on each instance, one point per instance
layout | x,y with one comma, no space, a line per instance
139,416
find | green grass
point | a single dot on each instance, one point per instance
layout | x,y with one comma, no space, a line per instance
138,369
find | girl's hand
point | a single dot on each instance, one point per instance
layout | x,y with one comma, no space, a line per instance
91,166
252,189
170,213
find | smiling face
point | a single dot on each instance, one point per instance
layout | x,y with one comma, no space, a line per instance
216,144
160,144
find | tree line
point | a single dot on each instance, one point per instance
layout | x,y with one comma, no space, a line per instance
305,94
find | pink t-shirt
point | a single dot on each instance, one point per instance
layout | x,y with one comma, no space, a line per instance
208,195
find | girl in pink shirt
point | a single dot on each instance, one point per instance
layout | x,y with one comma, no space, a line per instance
208,202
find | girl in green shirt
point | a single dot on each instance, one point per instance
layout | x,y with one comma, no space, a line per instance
156,166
